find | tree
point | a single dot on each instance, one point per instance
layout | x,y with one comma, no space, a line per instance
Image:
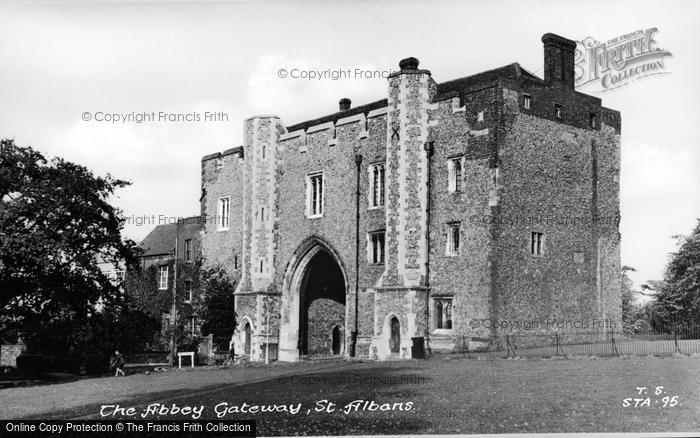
56,224
678,295
635,316
218,312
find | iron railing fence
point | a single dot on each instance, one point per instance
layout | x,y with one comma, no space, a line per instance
672,340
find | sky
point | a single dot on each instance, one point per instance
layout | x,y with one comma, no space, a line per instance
61,59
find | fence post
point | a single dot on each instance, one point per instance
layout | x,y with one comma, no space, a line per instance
612,337
675,341
556,337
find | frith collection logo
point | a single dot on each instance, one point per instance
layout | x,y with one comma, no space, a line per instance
602,67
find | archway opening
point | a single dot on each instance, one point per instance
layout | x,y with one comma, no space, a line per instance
322,306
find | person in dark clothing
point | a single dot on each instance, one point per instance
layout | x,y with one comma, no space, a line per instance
116,362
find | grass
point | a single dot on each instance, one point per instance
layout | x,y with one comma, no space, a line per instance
460,396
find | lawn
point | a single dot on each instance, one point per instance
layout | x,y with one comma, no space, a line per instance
454,396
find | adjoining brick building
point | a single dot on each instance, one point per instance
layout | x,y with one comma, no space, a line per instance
160,279
466,209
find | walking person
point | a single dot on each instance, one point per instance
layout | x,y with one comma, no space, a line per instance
116,362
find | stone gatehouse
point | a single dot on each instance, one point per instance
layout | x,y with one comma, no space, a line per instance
451,212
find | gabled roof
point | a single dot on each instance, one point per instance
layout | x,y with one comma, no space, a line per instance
161,240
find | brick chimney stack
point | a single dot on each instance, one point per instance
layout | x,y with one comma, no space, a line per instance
345,104
558,61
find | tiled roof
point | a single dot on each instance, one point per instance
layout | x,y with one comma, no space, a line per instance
161,240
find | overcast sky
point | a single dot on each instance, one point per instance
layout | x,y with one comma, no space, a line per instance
60,59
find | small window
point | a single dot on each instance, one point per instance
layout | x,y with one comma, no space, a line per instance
376,254
235,262
223,219
480,116
163,277
527,101
453,239
593,120
537,243
454,171
191,325
314,195
557,111
188,290
377,185
120,275
443,313
262,266
188,250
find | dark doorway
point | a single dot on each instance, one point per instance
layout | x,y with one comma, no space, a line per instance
246,334
395,339
322,306
337,341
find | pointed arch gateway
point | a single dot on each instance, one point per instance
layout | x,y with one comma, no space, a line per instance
314,294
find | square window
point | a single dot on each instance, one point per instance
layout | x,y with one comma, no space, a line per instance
223,210
453,238
537,243
527,101
188,250
376,185
191,325
480,116
455,175
314,195
163,277
376,250
188,290
120,276
443,313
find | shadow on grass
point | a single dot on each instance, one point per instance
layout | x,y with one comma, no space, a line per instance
387,392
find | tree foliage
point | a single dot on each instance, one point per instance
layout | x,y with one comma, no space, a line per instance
635,315
218,312
56,226
678,295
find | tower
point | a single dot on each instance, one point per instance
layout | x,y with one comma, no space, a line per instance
401,295
257,296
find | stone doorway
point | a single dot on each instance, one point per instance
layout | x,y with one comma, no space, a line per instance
337,341
395,338
246,338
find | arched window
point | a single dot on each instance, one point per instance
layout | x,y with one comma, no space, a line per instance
448,315
443,313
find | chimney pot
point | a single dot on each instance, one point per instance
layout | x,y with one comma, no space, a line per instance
344,104
409,64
